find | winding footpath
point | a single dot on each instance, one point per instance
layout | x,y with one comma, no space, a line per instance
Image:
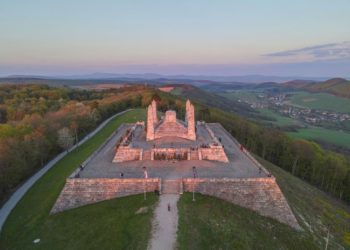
165,223
20,192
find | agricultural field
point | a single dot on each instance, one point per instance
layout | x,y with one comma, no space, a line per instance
321,101
248,96
302,99
279,120
335,137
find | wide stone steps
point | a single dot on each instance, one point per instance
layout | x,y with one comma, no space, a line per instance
194,155
171,187
146,155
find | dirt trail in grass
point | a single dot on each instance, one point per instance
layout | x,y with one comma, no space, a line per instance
165,223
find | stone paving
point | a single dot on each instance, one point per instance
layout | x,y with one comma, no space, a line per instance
239,165
139,140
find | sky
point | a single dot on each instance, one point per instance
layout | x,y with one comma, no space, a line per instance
224,37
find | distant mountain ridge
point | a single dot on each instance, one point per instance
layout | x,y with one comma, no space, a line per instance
153,76
336,86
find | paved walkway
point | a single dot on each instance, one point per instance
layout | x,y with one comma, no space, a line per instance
20,192
165,223
240,166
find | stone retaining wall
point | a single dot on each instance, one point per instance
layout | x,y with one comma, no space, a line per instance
126,153
259,194
79,191
169,152
213,154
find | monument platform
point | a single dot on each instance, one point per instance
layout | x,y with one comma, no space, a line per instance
162,156
239,165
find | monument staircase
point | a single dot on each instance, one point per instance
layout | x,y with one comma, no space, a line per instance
172,187
171,129
194,155
146,155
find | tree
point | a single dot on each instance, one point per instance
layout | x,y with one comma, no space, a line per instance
204,114
74,126
65,138
3,115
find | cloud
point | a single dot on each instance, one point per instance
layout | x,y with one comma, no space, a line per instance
330,51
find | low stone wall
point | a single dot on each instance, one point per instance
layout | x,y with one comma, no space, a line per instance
128,154
170,152
79,191
259,194
213,154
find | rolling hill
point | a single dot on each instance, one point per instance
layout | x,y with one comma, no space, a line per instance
336,86
211,99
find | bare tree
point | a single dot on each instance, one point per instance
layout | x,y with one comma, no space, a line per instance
65,138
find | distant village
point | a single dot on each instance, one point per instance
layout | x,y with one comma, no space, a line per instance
280,104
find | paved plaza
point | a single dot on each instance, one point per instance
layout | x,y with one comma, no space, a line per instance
239,165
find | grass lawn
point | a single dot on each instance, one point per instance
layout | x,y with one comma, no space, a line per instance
315,210
106,225
211,223
321,134
320,101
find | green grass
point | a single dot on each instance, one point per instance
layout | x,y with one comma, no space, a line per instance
242,95
320,101
314,209
322,134
176,91
279,120
211,223
106,225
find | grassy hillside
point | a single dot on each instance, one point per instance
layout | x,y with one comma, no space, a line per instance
105,225
321,101
336,86
210,223
334,137
279,120
241,95
211,99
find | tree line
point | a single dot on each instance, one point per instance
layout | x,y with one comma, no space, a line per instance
37,122
324,169
327,170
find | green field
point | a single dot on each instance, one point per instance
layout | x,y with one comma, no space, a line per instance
310,100
248,96
321,134
320,101
111,224
279,120
176,91
211,223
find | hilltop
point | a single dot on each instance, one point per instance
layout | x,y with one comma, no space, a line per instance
336,86
314,209
210,99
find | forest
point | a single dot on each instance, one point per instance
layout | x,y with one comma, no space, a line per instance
37,122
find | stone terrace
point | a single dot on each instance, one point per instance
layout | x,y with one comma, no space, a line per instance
139,141
239,165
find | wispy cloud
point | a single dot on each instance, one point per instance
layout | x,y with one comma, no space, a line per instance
330,51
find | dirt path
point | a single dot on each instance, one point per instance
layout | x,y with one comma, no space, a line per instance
165,223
